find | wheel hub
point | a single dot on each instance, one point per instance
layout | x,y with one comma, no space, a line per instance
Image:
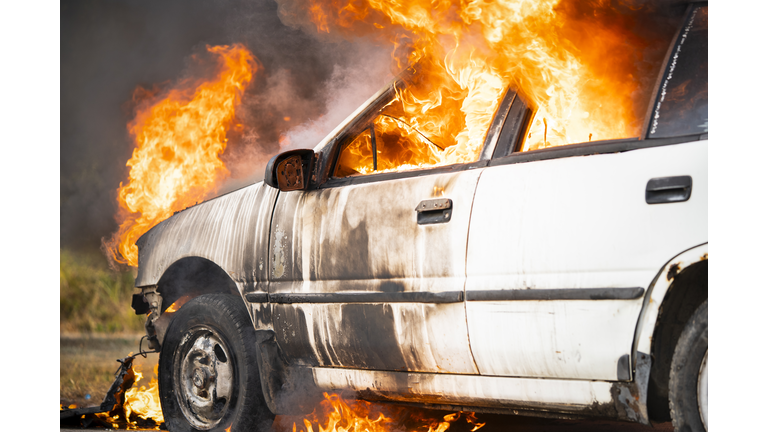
200,378
204,378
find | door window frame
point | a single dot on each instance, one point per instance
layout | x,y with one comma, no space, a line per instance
664,71
612,145
329,156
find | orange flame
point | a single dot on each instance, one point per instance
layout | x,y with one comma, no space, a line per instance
178,142
582,64
144,401
140,403
337,415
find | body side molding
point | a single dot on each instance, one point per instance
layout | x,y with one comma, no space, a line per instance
450,296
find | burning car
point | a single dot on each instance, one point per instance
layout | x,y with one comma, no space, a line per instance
560,281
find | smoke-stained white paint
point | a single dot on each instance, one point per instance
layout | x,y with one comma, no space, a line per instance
577,222
365,238
473,390
659,289
217,230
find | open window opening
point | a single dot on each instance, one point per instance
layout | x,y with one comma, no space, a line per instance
419,126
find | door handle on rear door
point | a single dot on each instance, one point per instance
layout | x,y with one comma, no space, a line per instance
668,189
434,211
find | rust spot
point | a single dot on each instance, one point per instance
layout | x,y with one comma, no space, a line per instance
704,257
674,269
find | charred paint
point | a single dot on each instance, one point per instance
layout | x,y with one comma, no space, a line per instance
349,258
674,269
291,333
364,336
398,336
368,339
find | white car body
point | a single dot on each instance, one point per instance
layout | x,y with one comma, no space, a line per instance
540,293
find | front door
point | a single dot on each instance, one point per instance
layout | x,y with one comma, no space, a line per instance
358,281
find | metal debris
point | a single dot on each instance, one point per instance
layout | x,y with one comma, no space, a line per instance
113,401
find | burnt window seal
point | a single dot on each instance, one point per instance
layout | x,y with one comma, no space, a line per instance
371,178
516,125
331,155
664,69
593,148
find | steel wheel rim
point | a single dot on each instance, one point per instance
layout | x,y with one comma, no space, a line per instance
702,390
204,377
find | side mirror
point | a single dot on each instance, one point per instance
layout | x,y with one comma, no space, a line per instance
290,170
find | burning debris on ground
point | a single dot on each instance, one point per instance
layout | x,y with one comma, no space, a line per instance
347,414
123,407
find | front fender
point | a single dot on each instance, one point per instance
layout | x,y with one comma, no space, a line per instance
231,231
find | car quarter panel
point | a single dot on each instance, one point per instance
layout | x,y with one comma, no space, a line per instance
574,223
363,240
658,290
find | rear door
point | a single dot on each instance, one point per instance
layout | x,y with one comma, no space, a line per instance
564,241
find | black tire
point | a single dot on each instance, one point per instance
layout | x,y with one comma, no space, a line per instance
208,368
684,377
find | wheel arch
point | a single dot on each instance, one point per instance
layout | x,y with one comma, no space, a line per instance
678,289
186,278
193,276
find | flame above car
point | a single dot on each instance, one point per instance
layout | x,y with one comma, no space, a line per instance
179,137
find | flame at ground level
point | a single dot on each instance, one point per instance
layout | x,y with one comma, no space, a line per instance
144,401
337,414
141,409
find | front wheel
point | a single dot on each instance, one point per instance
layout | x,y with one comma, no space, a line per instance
208,369
688,375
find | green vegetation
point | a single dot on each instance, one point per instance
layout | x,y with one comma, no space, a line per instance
95,298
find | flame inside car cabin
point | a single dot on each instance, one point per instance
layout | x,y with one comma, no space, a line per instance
587,65
179,137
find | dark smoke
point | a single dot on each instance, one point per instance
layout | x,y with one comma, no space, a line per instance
110,48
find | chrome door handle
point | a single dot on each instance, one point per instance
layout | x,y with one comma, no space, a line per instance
434,211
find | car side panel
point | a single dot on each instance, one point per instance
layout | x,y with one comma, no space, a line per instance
363,239
231,230
578,222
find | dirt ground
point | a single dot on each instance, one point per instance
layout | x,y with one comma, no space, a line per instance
88,364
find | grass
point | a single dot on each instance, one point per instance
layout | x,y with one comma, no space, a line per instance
97,326
94,298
